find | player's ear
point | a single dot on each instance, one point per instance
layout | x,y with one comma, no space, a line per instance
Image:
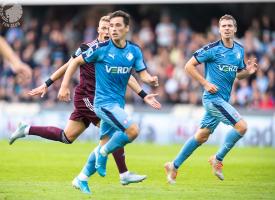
127,28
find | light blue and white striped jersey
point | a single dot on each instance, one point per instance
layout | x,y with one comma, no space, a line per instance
221,66
113,67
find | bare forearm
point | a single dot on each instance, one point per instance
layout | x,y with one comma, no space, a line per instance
8,54
134,85
73,65
193,72
242,74
145,77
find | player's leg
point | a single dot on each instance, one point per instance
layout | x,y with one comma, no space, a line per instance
208,125
47,132
72,131
126,131
81,181
188,148
231,117
126,177
227,114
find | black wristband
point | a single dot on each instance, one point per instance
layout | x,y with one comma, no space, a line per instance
49,82
142,94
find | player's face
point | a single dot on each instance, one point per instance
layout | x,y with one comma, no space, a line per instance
103,31
118,30
227,29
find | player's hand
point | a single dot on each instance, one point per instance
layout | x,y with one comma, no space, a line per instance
151,101
40,90
209,87
64,94
23,72
154,81
252,66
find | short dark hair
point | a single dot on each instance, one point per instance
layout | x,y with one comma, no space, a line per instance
228,17
124,15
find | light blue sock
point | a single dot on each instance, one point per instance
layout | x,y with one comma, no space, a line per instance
119,139
190,145
230,140
89,167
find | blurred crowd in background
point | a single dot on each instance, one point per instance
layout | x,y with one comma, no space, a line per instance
46,44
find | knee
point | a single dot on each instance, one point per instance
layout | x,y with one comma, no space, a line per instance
202,139
241,127
202,136
132,131
70,138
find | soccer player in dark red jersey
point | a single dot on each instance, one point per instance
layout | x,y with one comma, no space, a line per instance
83,113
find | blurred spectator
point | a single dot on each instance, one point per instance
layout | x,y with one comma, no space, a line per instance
165,31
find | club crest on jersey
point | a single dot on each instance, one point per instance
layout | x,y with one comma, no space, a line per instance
228,68
130,56
117,69
238,56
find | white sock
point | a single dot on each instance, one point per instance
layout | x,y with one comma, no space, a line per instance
122,175
82,177
27,130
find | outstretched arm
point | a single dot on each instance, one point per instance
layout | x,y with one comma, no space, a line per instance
43,89
148,98
64,92
23,70
191,69
250,69
147,78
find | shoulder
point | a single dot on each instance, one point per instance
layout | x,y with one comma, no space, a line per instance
89,44
98,45
86,46
211,45
103,44
239,46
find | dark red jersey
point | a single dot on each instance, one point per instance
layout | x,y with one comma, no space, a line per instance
85,91
86,86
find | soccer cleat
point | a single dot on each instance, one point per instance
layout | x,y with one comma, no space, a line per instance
81,185
18,133
100,163
216,167
132,178
171,172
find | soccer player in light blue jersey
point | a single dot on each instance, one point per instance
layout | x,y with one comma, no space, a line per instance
114,61
224,61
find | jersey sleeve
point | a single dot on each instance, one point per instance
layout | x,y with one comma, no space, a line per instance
139,64
242,63
203,55
82,48
92,53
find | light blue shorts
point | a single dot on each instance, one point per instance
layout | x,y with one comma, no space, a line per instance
113,118
218,110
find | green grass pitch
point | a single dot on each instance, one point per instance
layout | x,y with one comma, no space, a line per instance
39,170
